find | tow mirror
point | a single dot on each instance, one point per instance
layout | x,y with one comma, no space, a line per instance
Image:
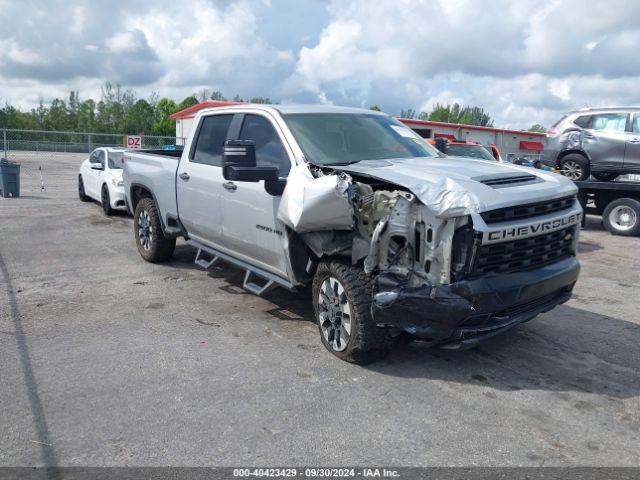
441,144
239,164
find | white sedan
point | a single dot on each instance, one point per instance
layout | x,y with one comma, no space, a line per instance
100,178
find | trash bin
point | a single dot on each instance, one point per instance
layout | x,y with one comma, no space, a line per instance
9,178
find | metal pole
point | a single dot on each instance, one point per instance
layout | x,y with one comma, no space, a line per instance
4,142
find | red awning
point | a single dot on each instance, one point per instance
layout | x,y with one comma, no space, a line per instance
531,146
448,136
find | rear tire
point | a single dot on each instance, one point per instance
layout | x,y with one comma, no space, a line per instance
342,307
622,217
152,245
83,196
605,176
575,167
105,201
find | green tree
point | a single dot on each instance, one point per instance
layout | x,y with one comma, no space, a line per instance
58,117
462,115
265,100
375,108
536,127
139,118
423,116
408,113
162,124
86,117
217,95
190,101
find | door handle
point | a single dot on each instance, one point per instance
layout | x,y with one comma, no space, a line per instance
184,176
634,140
230,186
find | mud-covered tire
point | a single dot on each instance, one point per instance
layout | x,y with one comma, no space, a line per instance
575,167
367,342
152,245
622,217
81,194
105,201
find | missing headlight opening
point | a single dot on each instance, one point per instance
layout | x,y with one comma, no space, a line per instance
390,231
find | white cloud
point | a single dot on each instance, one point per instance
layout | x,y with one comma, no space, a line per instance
525,62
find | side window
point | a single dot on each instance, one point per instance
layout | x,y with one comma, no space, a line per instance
100,157
93,158
614,122
269,149
583,121
636,123
211,137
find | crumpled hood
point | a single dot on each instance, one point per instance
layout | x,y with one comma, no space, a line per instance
450,186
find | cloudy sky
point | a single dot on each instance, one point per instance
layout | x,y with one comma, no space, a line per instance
524,61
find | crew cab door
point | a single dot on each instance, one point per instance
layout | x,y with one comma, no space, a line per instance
632,151
605,140
250,229
199,180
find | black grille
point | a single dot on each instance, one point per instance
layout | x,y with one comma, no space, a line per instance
527,211
524,254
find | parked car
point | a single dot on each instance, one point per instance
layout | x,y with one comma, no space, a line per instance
603,142
100,178
461,148
395,239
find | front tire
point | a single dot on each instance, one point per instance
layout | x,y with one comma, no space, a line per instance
575,167
152,245
105,201
81,194
342,307
622,217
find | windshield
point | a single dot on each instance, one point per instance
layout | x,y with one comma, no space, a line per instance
472,151
115,160
343,138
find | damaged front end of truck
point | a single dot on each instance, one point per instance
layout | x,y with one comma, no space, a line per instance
419,258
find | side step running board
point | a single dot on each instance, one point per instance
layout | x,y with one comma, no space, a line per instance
207,257
255,288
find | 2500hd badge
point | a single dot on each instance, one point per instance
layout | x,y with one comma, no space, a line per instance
524,231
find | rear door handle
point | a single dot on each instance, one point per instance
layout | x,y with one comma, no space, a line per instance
184,176
230,186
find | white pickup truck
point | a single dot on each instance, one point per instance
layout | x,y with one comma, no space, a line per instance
397,240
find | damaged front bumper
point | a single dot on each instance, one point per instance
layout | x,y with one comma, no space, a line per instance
461,314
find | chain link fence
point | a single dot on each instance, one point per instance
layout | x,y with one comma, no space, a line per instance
41,143
40,150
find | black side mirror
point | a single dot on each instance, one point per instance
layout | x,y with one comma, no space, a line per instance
239,164
441,144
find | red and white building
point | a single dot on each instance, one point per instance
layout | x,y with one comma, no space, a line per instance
510,142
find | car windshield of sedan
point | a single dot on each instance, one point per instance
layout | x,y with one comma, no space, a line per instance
471,151
344,138
115,160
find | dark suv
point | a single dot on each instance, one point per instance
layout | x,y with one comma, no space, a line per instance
603,142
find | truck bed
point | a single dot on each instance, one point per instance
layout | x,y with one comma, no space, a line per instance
155,172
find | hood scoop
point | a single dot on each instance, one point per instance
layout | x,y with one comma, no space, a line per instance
511,180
